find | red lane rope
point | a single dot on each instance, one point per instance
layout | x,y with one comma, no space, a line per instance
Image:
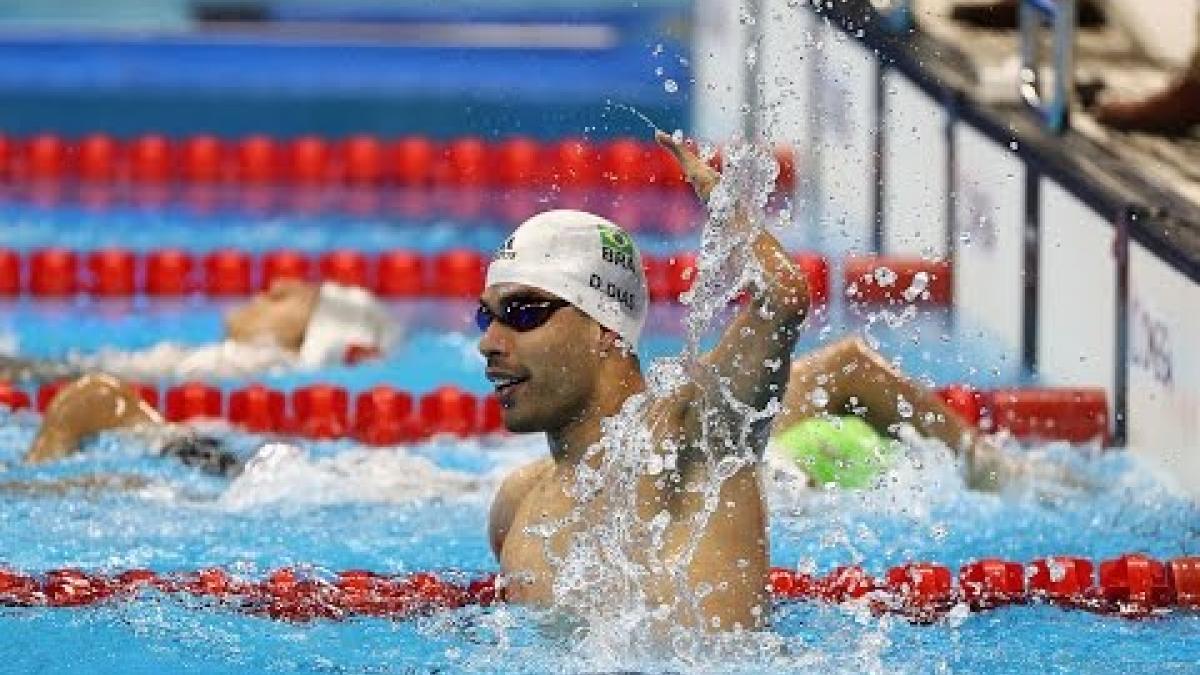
385,415
359,159
400,273
1131,586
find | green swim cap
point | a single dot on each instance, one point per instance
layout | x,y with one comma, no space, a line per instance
844,451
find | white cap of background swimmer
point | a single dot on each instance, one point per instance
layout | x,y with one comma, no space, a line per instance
584,259
345,317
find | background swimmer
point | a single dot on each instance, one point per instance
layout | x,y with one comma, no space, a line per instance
292,324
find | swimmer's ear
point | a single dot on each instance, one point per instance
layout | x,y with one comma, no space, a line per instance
611,342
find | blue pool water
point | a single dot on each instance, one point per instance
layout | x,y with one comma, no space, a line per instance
342,506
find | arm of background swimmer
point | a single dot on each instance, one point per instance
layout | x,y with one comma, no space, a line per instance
512,492
859,380
92,403
765,330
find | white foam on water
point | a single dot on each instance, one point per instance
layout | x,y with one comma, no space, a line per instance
225,359
284,473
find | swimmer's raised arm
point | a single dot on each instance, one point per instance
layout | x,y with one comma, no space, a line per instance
753,356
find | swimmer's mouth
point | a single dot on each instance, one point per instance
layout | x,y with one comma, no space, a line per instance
503,382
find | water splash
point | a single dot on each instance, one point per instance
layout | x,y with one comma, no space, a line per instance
624,573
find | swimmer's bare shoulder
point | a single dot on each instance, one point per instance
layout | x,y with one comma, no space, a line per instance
513,491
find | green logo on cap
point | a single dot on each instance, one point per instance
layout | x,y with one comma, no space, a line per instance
613,238
616,247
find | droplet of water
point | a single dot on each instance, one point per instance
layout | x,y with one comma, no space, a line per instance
819,397
920,282
670,86
884,276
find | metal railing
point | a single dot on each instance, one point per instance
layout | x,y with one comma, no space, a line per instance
1052,107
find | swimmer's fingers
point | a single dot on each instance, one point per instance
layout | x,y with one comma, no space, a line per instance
703,177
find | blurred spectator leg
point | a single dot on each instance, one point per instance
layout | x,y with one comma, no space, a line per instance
1173,111
1002,14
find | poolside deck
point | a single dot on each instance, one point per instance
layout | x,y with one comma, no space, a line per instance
1106,58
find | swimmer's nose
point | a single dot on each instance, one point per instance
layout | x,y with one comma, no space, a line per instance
493,342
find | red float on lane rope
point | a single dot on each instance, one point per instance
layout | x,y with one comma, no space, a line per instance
400,274
459,273
344,267
151,159
1071,414
920,583
1061,577
1183,576
991,581
413,160
449,410
384,416
965,401
518,162
362,159
10,272
257,409
308,159
45,158
575,163
285,265
202,159
1135,578
169,272
193,400
99,158
112,272
321,411
228,272
53,272
258,159
898,280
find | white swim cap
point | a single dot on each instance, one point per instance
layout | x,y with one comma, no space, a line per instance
584,259
345,318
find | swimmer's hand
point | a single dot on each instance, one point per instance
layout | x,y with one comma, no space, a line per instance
93,403
703,177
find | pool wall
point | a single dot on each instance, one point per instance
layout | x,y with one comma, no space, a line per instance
1087,273
436,69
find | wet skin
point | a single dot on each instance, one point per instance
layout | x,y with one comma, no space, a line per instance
565,377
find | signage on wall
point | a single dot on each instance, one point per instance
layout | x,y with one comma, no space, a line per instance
1077,291
1164,366
844,152
990,239
916,183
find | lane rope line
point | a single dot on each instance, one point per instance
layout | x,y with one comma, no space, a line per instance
1131,586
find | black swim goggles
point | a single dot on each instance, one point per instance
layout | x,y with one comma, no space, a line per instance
520,313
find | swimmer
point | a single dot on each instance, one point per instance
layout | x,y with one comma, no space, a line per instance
100,402
292,324
561,314
845,399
